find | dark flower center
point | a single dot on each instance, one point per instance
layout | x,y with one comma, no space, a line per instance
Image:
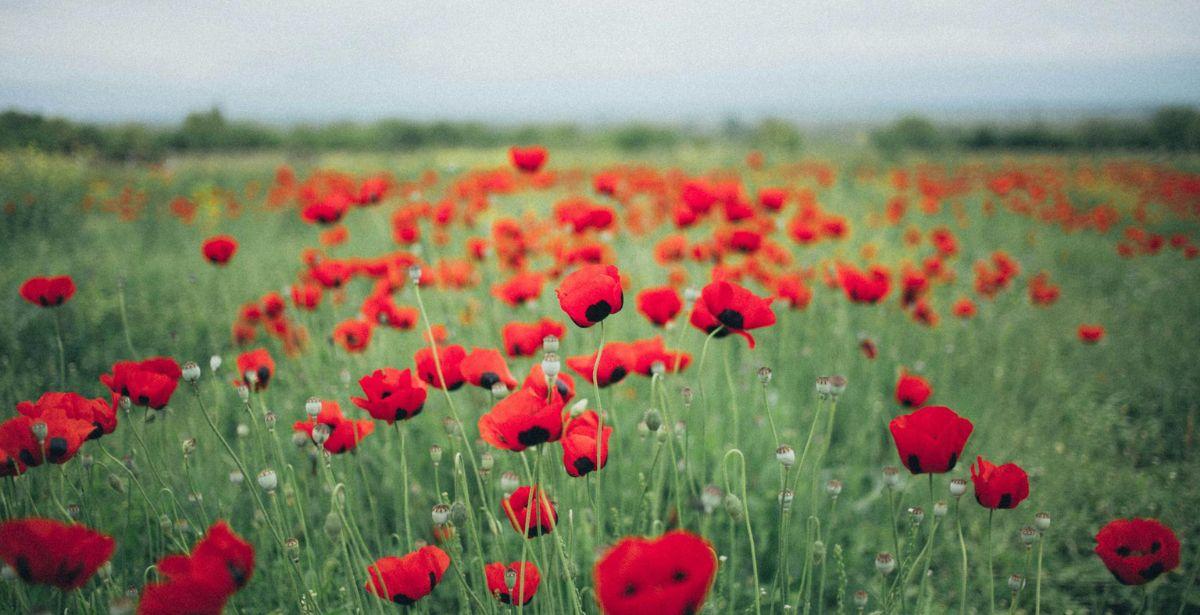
533,436
597,311
731,318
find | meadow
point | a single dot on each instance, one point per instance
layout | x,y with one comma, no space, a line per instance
973,274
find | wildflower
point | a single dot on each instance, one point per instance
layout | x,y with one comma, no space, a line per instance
49,552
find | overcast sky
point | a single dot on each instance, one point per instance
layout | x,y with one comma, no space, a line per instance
603,61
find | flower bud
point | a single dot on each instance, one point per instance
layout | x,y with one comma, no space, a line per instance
191,371
833,487
321,433
1016,583
916,514
837,385
458,512
40,430
940,508
312,407
73,511
733,506
653,419
269,419
243,393
486,462
333,525
823,386
764,375
658,368
451,426
577,408
291,546
214,363
435,453
441,513
1029,535
860,599
236,477
786,456
267,480
891,477
958,486
1041,521
116,483
885,563
688,395
243,430
550,343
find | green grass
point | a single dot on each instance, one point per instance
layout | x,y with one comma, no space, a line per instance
1105,431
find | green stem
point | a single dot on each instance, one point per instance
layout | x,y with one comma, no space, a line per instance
962,544
991,570
746,517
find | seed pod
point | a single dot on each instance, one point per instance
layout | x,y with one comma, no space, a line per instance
243,393
764,375
1042,521
785,499
40,430
658,368
550,343
499,390
73,511
1016,583
958,486
243,430
916,514
833,487
458,512
1029,535
269,419
87,460
191,371
688,395
268,480
435,453
710,498
236,477
300,439
414,274
321,433
291,546
214,363
551,366
486,462
837,385
509,481
441,513
824,387
312,407
891,477
785,455
885,563
860,599
940,508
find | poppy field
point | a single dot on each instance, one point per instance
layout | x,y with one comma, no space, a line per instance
701,380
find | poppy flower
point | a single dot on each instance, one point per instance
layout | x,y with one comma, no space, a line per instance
793,290
525,339
616,361
1090,334
536,382
648,352
260,364
668,575
219,249
326,211
533,507
964,308
930,440
660,305
449,358
220,564
519,289
391,394
64,436
381,309
590,294
344,434
485,368
912,391
869,287
579,444
528,159
405,580
523,419
307,296
146,383
772,199
500,586
49,552
1003,486
736,308
353,335
1137,551
48,292
99,412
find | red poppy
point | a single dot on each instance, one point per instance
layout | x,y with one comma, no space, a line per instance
660,305
536,382
1090,334
49,552
772,199
328,210
996,486
344,434
99,412
307,296
259,363
525,418
48,292
648,352
405,580
525,339
869,287
736,308
219,565
219,249
354,335
616,361
528,159
519,289
381,309
793,290
146,383
449,359
930,440
912,391
485,368
964,308
531,510
591,293
63,437
668,575
579,444
502,580
391,394
1137,551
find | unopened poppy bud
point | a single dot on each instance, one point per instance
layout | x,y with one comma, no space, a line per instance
312,407
710,498
916,514
414,274
191,371
321,433
435,453
1041,521
733,506
189,447
891,477
823,386
661,435
300,439
243,430
688,395
833,487
236,477
940,508
764,375
837,385
786,456
860,599
1016,583
243,393
333,525
885,563
164,523
551,367
458,512
577,408
1029,535
818,552
40,430
785,499
214,363
267,480
116,483
653,419
958,486
269,419
441,513
550,343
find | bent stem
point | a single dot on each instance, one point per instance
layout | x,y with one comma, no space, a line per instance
746,517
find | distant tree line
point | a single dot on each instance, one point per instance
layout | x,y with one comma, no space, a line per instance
211,131
1175,128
